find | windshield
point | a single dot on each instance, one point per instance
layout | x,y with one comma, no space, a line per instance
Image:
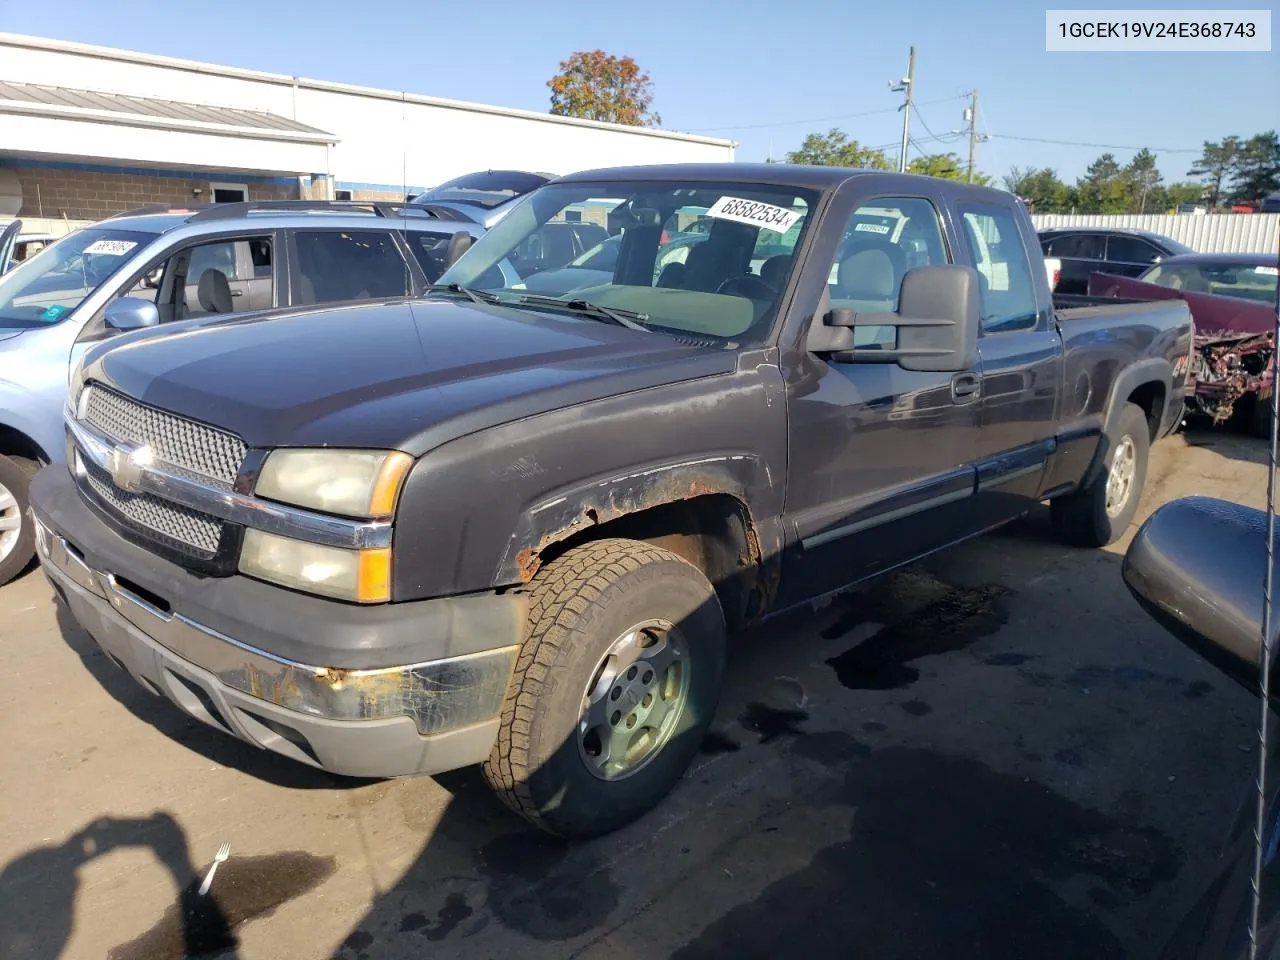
603,256
1246,281
44,289
724,284
486,190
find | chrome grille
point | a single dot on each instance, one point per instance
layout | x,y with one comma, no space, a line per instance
192,447
197,532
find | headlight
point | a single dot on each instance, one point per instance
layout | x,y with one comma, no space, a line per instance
351,483
363,576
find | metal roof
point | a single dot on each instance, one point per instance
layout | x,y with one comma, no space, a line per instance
399,96
37,95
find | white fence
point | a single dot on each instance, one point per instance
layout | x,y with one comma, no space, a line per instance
1209,233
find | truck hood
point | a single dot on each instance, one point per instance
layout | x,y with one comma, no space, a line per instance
403,374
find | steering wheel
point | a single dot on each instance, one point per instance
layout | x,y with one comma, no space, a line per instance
749,286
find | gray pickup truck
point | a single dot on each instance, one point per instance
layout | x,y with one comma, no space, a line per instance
499,527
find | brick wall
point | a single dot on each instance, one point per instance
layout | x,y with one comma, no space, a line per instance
92,195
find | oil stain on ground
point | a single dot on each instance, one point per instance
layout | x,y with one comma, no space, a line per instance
717,742
970,871
546,888
770,723
243,888
455,910
920,616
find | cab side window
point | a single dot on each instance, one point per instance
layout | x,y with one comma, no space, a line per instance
229,276
882,241
1008,293
335,266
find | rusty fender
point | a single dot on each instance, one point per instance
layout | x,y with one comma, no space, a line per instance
573,511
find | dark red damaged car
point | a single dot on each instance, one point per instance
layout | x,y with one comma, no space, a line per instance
1232,297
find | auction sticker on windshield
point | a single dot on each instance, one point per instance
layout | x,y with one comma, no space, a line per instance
115,248
755,214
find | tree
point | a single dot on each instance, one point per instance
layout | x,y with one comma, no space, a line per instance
593,85
945,165
1177,194
1104,188
1215,165
1042,189
1143,181
1256,172
835,149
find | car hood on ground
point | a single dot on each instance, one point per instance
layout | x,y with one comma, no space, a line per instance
403,374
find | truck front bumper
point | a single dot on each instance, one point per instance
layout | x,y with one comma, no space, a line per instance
438,712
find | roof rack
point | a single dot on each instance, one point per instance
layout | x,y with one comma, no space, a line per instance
227,211
202,212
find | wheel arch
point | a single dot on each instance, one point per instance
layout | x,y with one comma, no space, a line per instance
700,510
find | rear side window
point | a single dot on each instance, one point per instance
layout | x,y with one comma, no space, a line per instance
1008,293
340,265
431,250
1079,246
1131,250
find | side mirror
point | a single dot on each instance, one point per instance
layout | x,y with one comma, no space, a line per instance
130,313
1198,567
937,323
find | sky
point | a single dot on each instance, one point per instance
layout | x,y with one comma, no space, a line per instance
763,74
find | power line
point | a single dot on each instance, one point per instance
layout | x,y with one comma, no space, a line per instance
1099,146
920,117
797,123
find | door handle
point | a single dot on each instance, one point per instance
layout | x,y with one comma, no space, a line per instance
965,387
237,293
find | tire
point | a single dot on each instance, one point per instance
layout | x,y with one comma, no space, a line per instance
16,553
581,604
1260,417
1082,518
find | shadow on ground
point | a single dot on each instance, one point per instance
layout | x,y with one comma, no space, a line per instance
1227,440
38,891
942,854
191,733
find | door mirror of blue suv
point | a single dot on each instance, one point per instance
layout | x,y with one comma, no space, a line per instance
131,313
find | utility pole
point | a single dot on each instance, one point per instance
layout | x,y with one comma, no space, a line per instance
972,117
905,87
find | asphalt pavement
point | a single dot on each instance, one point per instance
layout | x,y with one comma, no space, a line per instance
992,754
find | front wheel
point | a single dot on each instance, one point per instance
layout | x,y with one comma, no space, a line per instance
615,686
17,539
1099,514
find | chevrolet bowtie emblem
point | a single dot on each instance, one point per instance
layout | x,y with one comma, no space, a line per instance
126,465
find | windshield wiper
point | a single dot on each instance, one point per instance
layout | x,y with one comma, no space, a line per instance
475,296
623,318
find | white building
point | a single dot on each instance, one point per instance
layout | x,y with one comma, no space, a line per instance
89,131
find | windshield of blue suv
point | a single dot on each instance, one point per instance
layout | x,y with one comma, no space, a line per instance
723,284
43,290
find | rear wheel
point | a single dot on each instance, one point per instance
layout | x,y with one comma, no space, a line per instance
17,539
614,689
1099,514
1260,416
